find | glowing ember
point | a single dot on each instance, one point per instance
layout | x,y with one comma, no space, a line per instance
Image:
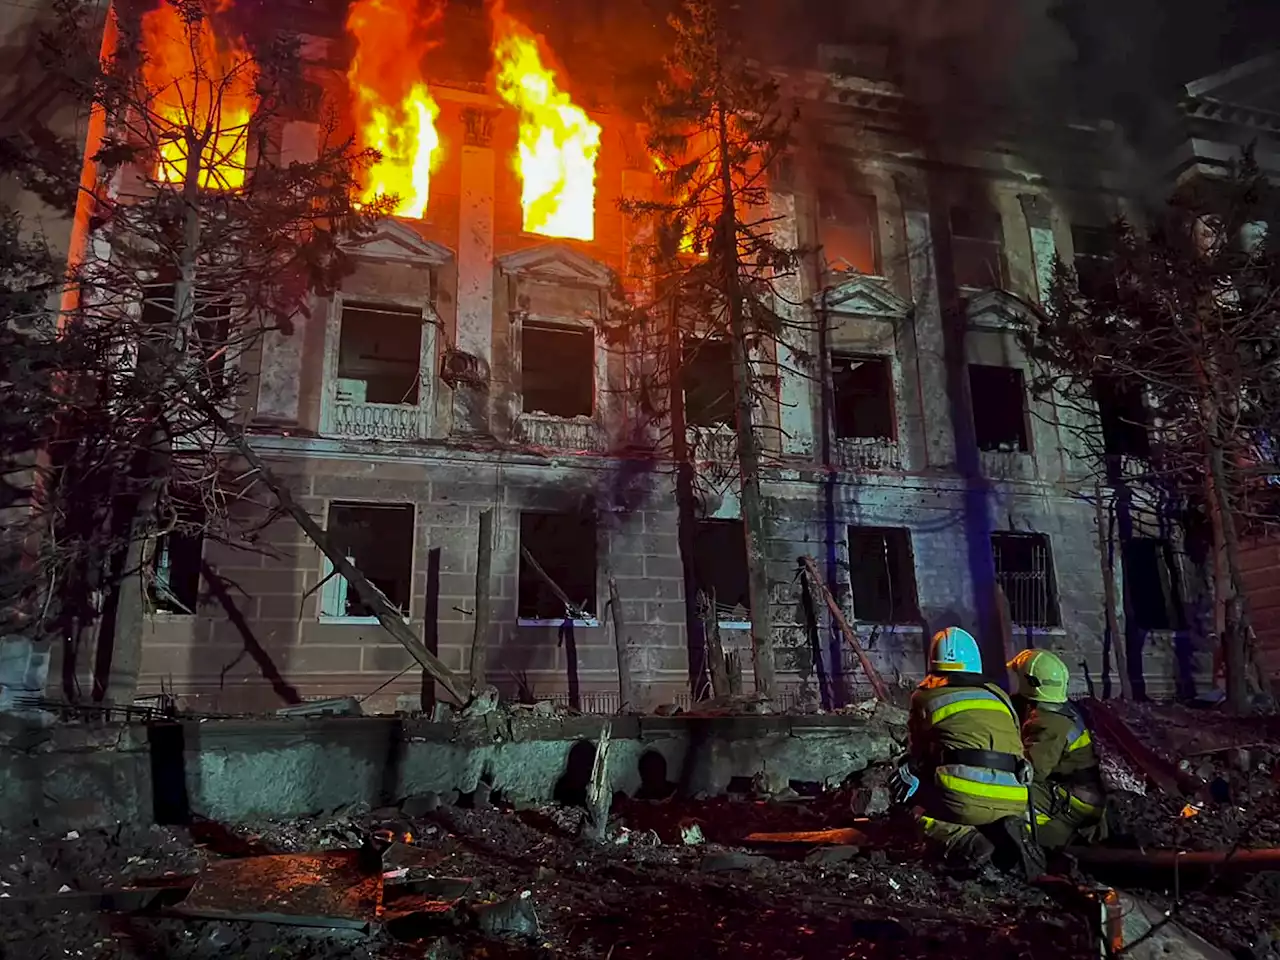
559,143
393,109
202,88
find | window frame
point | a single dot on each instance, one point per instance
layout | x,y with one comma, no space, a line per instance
333,594
1052,599
593,621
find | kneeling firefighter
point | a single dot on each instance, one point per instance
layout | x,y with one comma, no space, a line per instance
1067,791
964,765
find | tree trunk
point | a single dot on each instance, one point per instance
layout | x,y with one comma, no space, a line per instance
484,603
1235,612
1106,556
627,698
755,523
716,662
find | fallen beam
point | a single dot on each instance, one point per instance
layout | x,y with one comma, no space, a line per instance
1163,773
843,836
873,676
1236,860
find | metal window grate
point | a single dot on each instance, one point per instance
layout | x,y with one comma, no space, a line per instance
1024,572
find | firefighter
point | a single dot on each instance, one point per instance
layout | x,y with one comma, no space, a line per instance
964,763
1067,793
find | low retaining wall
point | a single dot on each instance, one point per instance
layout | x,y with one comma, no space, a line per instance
69,776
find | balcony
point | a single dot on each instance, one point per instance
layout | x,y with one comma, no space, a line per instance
578,434
717,443
869,453
356,419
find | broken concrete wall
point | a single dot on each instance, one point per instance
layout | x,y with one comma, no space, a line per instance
232,770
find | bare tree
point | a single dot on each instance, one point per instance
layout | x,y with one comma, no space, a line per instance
717,128
202,239
1183,319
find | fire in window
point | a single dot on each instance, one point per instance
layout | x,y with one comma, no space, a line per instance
847,232
557,370
377,538
882,575
1152,584
175,564
720,568
564,546
999,408
379,354
1092,259
708,383
977,243
1024,570
863,397
1122,414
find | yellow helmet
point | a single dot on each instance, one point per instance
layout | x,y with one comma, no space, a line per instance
1041,676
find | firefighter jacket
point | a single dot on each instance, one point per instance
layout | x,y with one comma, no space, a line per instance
1059,747
963,740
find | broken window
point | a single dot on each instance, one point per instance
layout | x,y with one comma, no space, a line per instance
720,567
377,538
977,243
1092,259
863,396
999,408
708,383
564,545
882,575
557,370
1152,584
1122,414
175,563
379,354
1024,571
847,232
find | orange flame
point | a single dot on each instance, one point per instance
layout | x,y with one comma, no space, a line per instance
559,143
203,93
685,194
394,111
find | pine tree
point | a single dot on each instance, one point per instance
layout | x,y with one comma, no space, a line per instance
1185,316
718,128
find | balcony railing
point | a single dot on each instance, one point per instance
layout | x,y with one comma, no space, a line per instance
378,421
869,453
560,433
714,444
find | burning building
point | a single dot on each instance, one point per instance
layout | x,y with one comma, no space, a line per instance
460,370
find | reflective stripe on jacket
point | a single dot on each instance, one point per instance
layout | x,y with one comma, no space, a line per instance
948,715
1060,748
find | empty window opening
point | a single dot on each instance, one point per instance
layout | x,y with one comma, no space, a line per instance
557,370
211,333
564,545
1152,584
863,396
977,243
1094,267
379,354
1122,414
175,563
847,232
1024,571
708,383
882,575
377,538
999,408
720,567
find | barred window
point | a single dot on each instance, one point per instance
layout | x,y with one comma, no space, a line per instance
1024,571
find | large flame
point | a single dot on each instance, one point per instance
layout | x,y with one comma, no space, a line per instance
559,143
690,195
203,92
394,111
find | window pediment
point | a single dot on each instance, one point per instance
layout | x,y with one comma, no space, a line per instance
555,264
999,310
393,242
865,296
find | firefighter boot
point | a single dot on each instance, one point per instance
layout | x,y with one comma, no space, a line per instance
968,852
1018,849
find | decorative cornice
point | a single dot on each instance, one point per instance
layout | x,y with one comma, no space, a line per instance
477,126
